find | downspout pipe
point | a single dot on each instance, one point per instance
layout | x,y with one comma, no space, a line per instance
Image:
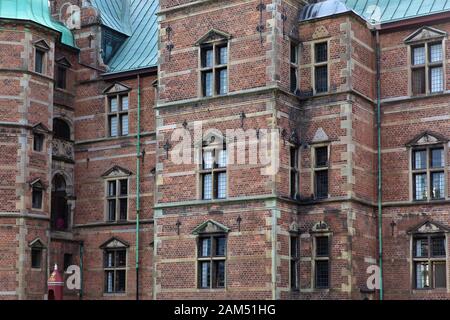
138,180
81,268
380,180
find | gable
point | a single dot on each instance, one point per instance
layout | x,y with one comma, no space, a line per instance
425,34
213,35
116,88
427,138
116,171
42,44
40,128
115,243
210,226
37,183
320,226
64,62
37,244
429,227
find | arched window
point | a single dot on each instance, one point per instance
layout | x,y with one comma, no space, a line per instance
61,129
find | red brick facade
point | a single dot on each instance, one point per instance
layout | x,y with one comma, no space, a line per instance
258,216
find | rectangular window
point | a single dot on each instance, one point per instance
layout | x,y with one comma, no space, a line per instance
295,262
214,174
214,69
212,251
68,260
294,67
38,142
322,262
117,200
427,68
429,259
428,173
61,77
36,258
294,172
39,63
118,122
37,195
115,265
321,172
321,67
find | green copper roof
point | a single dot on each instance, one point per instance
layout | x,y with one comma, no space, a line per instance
393,10
138,20
37,11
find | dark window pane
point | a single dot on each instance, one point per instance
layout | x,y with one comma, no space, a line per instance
67,260
221,246
294,183
437,158
109,281
222,81
219,274
61,77
321,52
419,159
36,257
418,81
39,63
440,275
204,247
321,75
207,58
322,274
321,157
421,248
422,272
121,258
438,247
123,187
61,129
123,203
420,186
112,210
222,55
294,274
437,185
111,188
322,247
38,142
293,85
37,195
294,247
204,273
207,187
321,184
207,84
120,281
294,53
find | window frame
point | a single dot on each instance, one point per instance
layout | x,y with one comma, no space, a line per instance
43,62
427,66
316,258
294,172
428,171
294,65
294,261
211,259
63,69
117,197
214,69
40,136
316,65
429,259
117,114
114,269
37,188
214,171
315,169
39,252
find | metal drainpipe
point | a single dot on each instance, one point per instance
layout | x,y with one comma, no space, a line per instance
138,178
380,209
81,269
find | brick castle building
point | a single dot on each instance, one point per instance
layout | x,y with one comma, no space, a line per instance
96,97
